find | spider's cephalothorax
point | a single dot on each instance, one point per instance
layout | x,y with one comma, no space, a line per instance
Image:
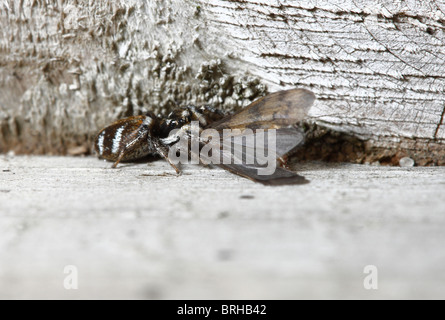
135,137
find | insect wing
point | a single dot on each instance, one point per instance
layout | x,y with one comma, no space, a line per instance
252,154
276,110
250,143
279,177
287,139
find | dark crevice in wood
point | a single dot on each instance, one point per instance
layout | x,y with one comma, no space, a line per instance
332,146
440,123
322,144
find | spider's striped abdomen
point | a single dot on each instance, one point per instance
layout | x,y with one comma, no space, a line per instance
129,134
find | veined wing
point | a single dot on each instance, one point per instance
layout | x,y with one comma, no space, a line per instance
253,154
276,110
280,177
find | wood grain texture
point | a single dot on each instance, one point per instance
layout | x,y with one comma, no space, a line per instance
376,67
70,67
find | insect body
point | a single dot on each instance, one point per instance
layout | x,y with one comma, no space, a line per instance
135,137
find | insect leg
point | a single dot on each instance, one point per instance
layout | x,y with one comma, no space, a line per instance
163,152
283,162
121,155
124,152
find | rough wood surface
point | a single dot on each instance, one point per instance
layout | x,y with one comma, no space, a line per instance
141,232
70,67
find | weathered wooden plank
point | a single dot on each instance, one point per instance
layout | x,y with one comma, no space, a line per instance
141,232
70,67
